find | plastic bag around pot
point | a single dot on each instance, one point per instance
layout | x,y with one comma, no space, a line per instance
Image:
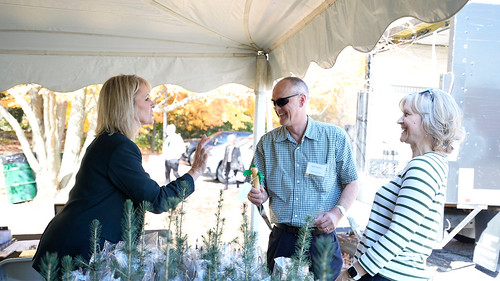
20,184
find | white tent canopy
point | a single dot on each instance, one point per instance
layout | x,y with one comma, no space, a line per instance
65,45
199,44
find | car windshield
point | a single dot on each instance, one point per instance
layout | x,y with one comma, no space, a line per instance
221,137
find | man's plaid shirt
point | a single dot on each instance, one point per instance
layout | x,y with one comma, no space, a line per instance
293,195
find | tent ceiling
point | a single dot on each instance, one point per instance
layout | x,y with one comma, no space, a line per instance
67,44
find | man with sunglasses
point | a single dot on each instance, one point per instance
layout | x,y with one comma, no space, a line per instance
308,170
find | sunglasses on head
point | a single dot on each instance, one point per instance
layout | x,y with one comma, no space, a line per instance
283,101
428,92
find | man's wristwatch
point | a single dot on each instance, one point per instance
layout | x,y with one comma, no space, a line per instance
341,209
353,273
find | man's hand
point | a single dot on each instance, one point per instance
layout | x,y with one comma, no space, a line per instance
327,222
257,196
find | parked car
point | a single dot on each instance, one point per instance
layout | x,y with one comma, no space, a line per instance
214,163
216,139
190,148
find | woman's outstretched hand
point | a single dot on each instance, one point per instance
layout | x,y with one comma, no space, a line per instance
200,158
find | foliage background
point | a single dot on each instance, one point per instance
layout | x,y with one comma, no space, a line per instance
333,94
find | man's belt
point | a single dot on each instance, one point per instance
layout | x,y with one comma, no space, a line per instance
295,229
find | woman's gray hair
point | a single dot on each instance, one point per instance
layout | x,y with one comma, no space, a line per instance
116,111
441,117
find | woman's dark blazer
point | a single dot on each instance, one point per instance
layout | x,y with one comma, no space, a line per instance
111,172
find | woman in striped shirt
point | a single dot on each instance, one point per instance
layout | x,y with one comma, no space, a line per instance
406,215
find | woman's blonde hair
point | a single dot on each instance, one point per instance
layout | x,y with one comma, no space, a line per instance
441,117
115,109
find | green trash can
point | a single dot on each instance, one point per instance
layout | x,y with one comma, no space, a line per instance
20,184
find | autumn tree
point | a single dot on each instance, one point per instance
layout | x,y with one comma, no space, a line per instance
54,151
334,91
229,107
63,124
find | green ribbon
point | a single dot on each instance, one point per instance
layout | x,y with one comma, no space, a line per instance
249,172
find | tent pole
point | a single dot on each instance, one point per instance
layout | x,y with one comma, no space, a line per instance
262,91
165,116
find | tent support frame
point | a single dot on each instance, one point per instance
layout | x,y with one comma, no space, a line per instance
262,91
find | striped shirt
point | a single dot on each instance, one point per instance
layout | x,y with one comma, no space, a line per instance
405,221
293,193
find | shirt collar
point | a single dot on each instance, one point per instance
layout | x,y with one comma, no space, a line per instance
310,133
312,129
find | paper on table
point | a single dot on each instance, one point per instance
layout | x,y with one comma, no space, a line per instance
18,246
27,253
22,245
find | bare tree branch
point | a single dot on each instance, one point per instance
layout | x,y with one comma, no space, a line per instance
21,136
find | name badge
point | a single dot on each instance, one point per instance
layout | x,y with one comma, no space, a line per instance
316,169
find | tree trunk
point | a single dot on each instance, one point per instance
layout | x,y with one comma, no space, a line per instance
35,118
52,148
74,138
25,145
62,195
27,150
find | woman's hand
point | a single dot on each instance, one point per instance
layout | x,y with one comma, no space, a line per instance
343,276
200,158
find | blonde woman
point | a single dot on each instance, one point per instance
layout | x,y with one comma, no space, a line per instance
111,172
406,214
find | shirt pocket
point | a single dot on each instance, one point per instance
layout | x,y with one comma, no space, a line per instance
277,186
327,182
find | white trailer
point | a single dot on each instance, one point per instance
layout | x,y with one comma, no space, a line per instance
473,195
468,51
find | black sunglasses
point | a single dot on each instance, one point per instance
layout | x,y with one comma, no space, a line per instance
283,101
429,92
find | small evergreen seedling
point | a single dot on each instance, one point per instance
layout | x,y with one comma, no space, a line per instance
181,245
167,266
321,261
175,246
304,243
130,228
141,217
211,249
48,267
96,264
67,268
249,240
301,256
